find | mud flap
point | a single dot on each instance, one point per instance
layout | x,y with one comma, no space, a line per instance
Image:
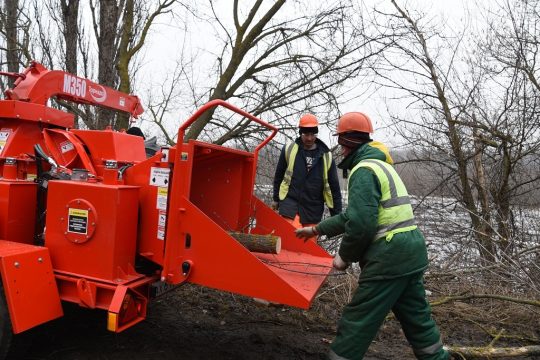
29,285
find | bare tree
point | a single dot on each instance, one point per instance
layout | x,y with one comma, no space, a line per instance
12,56
137,15
469,121
276,64
514,41
14,33
70,30
121,28
106,21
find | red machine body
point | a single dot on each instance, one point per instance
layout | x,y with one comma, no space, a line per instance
113,229
83,219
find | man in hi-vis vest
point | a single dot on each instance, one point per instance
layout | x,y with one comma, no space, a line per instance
380,233
306,178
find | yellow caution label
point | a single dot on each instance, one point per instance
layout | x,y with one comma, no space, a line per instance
78,221
161,201
78,212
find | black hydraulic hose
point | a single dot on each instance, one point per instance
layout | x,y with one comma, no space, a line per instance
41,198
39,151
122,170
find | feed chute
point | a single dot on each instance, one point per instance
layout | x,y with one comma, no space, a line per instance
212,195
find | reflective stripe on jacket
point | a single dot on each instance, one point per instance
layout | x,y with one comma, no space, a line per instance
290,156
395,210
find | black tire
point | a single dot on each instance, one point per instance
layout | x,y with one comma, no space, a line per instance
6,330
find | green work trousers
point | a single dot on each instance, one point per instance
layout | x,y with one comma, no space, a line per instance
372,301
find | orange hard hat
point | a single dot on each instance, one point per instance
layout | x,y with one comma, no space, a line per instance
308,120
354,121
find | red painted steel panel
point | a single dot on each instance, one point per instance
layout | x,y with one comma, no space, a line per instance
17,210
152,211
37,113
29,284
112,145
103,218
221,186
104,292
67,150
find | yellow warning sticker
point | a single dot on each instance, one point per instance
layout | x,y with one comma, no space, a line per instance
162,194
78,221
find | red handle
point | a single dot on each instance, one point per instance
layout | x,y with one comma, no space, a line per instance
223,103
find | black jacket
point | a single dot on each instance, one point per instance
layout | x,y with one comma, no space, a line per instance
305,196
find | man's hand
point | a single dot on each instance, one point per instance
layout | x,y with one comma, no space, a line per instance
306,232
339,264
275,205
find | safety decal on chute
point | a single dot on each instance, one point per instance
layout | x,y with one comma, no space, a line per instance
159,176
162,218
78,221
66,146
162,194
162,221
161,234
4,136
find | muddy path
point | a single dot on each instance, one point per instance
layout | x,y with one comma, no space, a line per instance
192,323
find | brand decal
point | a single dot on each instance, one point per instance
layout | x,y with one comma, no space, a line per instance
98,93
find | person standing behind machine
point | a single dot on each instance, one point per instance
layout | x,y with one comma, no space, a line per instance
306,178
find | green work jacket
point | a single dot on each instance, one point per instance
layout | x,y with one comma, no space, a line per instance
403,254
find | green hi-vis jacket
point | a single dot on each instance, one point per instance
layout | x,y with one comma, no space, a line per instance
382,237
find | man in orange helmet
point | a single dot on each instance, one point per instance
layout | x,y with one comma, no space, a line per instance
306,178
380,233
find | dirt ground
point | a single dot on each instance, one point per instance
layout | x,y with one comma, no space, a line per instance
192,322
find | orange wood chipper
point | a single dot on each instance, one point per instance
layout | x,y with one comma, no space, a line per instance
87,218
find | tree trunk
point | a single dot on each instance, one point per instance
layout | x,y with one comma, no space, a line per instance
70,16
484,230
122,66
12,53
108,28
243,43
502,199
453,131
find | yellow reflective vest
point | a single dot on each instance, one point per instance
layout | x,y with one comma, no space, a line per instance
395,210
291,151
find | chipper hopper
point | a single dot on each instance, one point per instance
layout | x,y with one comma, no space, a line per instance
86,217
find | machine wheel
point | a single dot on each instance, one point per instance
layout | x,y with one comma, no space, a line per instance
6,331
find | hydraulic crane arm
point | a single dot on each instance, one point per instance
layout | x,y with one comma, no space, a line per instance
38,84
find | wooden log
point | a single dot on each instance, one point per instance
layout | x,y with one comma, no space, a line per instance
460,352
268,244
